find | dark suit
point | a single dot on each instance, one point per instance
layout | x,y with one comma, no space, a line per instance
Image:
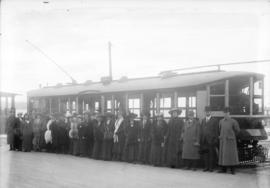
209,142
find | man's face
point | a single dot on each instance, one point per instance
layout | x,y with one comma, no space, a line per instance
145,118
12,113
208,113
175,114
226,114
85,117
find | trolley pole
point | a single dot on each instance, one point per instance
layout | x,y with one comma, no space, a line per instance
110,59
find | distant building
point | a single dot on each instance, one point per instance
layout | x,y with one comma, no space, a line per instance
9,102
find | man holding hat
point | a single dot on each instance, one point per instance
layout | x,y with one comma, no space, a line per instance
173,139
228,153
209,140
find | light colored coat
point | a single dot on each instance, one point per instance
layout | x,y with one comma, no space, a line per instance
191,139
228,153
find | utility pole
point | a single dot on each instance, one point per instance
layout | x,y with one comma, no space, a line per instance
110,59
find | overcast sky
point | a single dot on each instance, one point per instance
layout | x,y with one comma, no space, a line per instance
148,36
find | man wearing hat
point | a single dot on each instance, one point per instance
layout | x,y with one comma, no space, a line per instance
108,136
132,133
228,153
209,140
173,139
191,141
144,138
98,128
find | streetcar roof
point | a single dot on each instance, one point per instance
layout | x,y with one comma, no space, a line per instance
139,84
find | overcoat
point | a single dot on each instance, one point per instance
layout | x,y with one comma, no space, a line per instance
158,132
174,141
27,132
82,138
11,124
98,139
144,140
89,135
119,140
108,140
209,132
131,145
37,123
228,153
191,140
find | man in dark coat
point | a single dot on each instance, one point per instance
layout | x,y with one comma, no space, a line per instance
228,153
98,127
89,132
108,136
82,137
63,135
56,133
132,133
11,124
27,133
144,138
18,133
173,139
209,140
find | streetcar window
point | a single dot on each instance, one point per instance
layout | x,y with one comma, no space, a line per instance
218,89
182,102
165,105
187,104
239,94
87,106
258,87
217,96
192,102
134,106
153,107
217,103
73,105
96,106
257,106
258,97
109,106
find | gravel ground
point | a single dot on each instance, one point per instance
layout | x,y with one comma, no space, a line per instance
45,170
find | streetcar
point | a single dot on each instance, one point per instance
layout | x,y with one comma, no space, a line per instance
242,91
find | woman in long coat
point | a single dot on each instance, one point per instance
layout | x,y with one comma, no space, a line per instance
228,153
37,132
98,137
11,124
173,139
108,136
191,140
145,138
119,137
74,137
158,132
132,133
27,132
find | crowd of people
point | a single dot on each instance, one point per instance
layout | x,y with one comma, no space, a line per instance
176,144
